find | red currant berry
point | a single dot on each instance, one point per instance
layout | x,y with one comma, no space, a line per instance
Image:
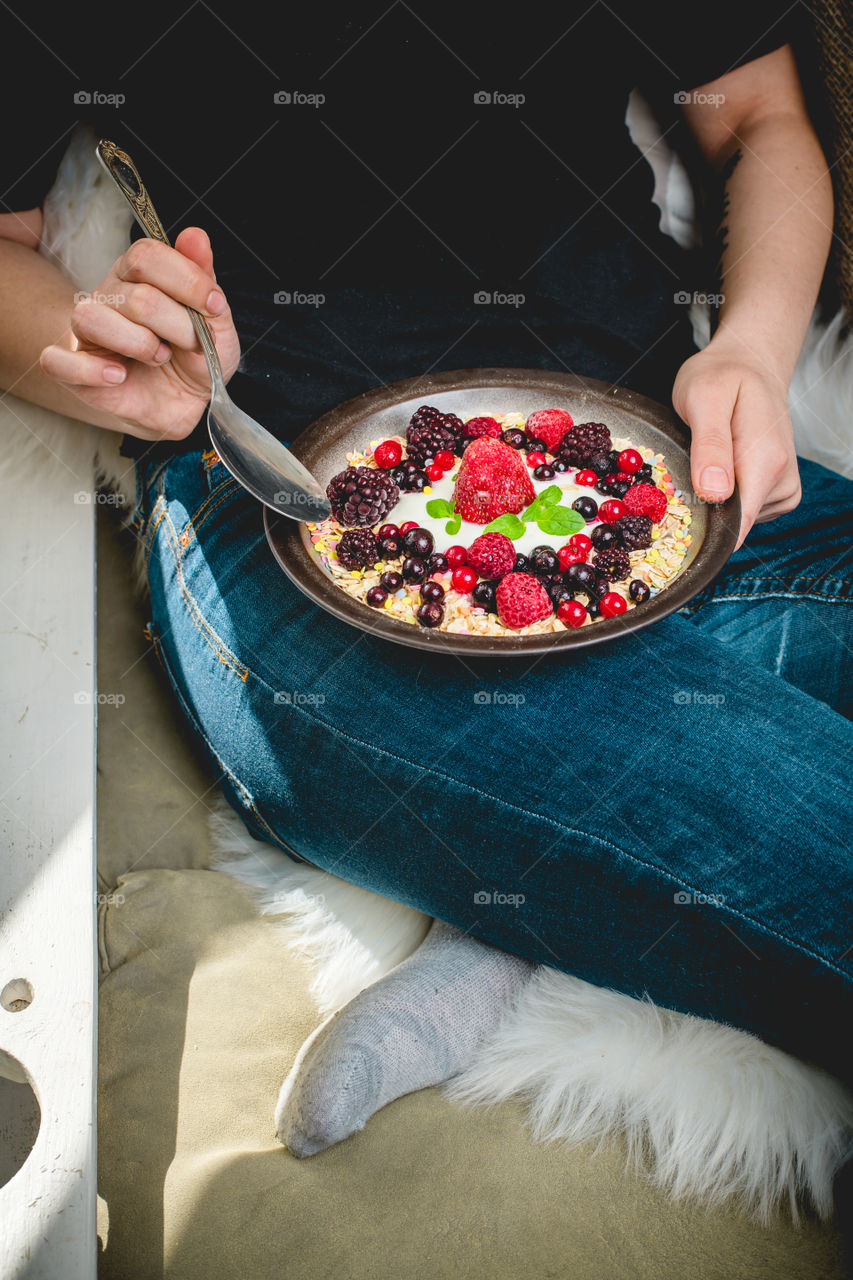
622,476
582,542
587,478
456,556
612,604
535,459
435,472
444,459
463,579
612,510
572,613
570,555
387,454
407,525
629,460
388,531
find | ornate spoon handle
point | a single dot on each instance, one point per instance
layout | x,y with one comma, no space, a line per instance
125,175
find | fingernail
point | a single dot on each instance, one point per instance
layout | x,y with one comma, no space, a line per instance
162,354
714,480
114,373
215,302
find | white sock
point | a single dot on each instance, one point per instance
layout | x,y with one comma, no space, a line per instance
417,1026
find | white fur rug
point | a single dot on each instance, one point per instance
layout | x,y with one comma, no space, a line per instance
708,1112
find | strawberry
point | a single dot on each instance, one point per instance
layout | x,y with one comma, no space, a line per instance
483,427
521,600
492,481
646,500
549,425
492,555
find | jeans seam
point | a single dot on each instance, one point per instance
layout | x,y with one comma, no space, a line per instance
204,628
194,523
553,822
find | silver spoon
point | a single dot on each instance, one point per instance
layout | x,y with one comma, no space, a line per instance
252,455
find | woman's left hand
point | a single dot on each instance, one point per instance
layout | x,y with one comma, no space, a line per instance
737,411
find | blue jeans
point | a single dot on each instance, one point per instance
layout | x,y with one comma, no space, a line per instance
670,814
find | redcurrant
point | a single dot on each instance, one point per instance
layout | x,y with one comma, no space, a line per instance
587,478
572,613
570,555
387,454
456,556
582,542
407,525
535,459
463,579
444,459
612,604
612,510
629,460
435,472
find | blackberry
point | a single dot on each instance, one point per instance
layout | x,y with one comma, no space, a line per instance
636,532
421,417
599,463
614,562
361,496
453,423
584,439
425,442
644,475
357,549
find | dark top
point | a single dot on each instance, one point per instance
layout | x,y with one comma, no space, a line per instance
401,161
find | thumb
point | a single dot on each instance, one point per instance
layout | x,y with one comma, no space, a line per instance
194,244
709,418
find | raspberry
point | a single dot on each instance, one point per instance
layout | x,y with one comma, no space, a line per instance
549,425
636,532
613,563
586,440
521,600
357,549
492,555
492,481
361,496
475,427
646,500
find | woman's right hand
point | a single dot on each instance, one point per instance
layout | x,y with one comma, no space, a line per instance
131,350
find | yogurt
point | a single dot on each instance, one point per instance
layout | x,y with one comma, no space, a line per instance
412,506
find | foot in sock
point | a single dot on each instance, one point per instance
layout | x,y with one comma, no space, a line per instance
417,1026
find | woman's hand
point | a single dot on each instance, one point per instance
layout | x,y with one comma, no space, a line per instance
737,411
131,349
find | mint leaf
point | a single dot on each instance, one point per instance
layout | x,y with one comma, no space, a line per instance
507,524
453,525
561,521
439,507
551,496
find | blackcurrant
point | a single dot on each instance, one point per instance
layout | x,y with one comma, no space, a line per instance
515,438
579,576
638,591
376,597
391,580
438,563
485,595
604,536
587,507
561,465
418,542
544,471
430,614
390,548
432,591
522,564
535,445
544,560
414,570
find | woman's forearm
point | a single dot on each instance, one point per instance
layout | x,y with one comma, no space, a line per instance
775,233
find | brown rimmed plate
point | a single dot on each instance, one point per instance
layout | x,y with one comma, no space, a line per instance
323,447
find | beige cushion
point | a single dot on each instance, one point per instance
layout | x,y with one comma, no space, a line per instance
202,1010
